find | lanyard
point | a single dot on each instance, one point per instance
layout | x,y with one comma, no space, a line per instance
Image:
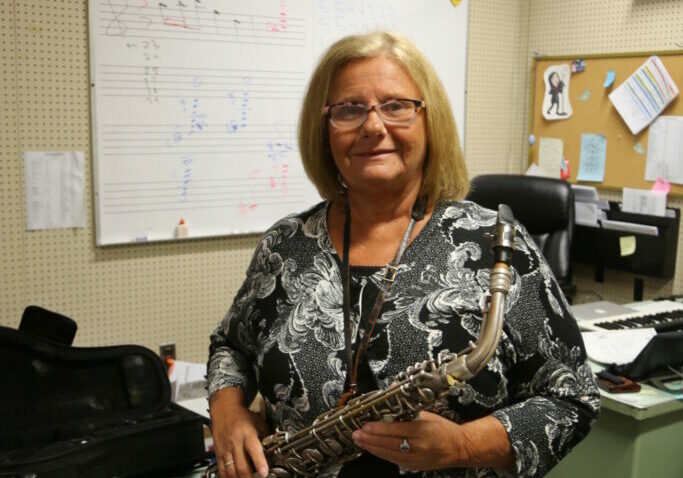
352,363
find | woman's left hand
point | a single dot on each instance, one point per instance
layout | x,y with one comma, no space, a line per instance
434,442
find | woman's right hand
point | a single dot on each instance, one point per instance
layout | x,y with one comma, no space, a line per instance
236,435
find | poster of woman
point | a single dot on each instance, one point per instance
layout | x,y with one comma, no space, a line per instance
556,105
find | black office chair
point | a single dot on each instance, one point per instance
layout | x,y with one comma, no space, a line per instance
545,206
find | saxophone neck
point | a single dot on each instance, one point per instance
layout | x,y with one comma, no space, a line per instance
469,364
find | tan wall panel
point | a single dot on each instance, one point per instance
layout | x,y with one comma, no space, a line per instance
13,260
496,84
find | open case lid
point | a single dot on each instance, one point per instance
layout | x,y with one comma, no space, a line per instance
48,385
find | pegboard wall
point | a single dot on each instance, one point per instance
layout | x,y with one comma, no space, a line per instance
177,292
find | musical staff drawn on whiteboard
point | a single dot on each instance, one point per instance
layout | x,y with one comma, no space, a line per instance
155,196
195,22
177,81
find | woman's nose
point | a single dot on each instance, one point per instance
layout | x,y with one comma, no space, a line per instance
374,125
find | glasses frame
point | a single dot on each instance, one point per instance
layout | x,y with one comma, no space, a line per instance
377,109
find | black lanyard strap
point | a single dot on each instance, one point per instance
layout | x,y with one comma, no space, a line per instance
417,214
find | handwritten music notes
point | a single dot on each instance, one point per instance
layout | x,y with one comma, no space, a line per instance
196,102
195,106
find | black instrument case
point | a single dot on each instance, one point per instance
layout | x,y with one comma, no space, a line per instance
73,412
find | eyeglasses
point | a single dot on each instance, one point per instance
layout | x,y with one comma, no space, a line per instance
398,111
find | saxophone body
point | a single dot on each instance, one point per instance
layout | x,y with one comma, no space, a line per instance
327,441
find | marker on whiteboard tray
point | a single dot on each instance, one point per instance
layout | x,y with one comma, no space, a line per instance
181,229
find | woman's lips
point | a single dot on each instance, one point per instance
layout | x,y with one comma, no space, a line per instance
374,153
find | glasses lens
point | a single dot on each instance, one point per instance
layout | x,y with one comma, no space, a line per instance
347,116
393,111
398,110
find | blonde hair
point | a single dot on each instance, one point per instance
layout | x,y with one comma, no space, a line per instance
445,174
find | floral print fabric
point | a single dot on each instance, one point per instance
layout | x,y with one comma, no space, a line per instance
284,334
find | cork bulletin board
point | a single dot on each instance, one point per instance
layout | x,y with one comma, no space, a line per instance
593,112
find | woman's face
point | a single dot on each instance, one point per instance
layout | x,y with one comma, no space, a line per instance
554,79
378,156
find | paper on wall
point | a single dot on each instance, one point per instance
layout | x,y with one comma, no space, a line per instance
644,94
665,150
592,159
550,156
556,104
53,182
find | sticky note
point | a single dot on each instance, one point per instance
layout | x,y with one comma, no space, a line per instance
661,185
627,245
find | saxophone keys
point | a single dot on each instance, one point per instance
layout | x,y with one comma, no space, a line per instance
334,446
314,455
277,472
297,465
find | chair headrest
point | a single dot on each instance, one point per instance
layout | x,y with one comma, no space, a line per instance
541,204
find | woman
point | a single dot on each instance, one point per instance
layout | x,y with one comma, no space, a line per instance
377,138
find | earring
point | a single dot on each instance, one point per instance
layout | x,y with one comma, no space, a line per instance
340,179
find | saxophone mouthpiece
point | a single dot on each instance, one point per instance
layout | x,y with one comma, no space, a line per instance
504,238
505,214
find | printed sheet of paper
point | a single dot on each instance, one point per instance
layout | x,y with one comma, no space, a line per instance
54,189
643,201
550,156
665,150
644,94
616,346
592,160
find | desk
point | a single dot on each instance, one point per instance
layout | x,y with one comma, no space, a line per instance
637,435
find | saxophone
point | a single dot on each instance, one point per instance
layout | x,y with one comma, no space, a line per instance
327,441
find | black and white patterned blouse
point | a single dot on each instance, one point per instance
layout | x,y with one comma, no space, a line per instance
284,334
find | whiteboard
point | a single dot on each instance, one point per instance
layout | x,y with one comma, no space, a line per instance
195,104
